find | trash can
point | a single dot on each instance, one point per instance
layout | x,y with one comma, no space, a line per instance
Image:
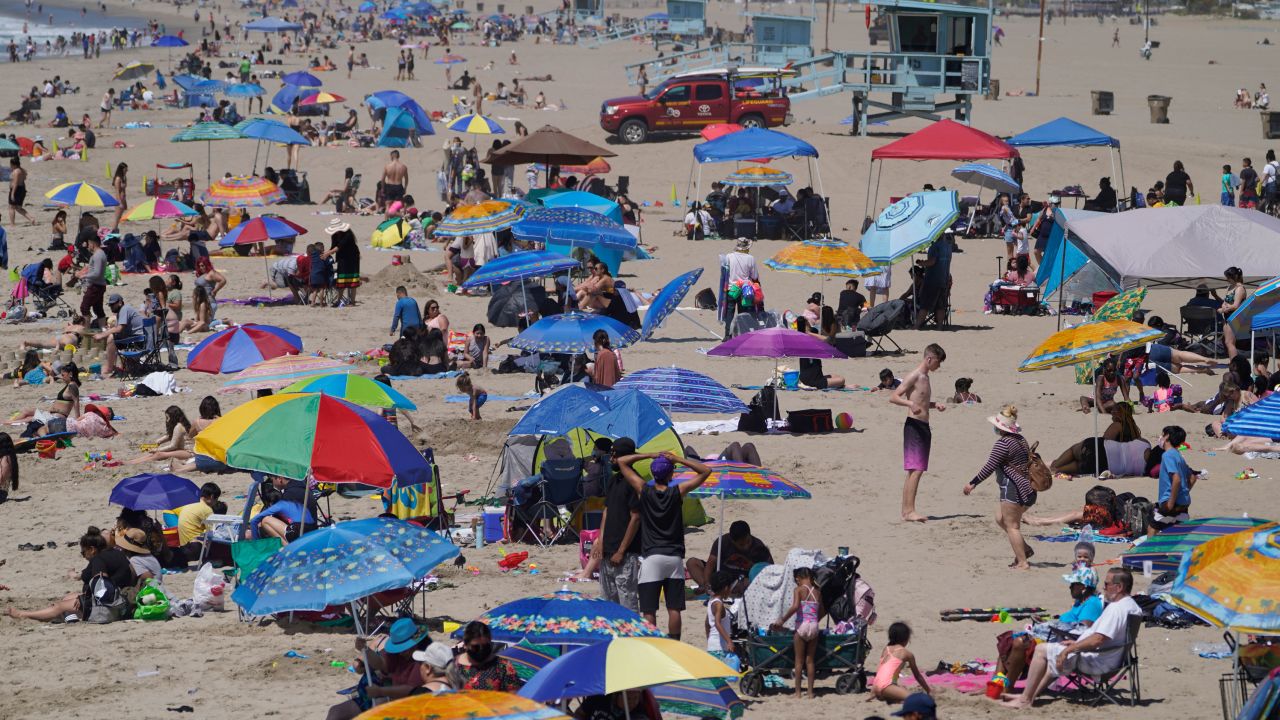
1104,102
993,89
1159,105
1270,124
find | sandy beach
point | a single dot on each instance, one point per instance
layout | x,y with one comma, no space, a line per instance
224,668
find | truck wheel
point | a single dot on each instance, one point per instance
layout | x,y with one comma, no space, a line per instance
751,121
633,132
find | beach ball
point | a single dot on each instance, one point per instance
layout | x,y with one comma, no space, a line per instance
844,421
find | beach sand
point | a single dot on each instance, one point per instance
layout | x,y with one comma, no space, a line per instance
228,669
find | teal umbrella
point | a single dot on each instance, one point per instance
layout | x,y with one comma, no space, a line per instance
207,132
909,225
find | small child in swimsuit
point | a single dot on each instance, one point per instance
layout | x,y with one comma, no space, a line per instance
1165,397
806,605
720,619
887,381
476,396
963,396
895,655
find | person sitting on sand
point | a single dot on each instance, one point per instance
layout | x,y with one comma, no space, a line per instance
595,292
102,561
1107,382
395,672
201,312
65,405
811,374
1014,648
133,542
1120,451
476,352
894,657
176,441
477,664
735,552
963,394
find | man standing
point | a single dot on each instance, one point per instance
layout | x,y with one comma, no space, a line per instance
618,547
17,191
916,395
94,277
741,268
395,179
1098,650
936,285
406,313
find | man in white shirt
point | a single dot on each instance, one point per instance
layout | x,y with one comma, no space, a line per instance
742,267
1098,650
697,222
1269,176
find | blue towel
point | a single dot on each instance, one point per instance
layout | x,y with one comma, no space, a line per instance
428,376
502,398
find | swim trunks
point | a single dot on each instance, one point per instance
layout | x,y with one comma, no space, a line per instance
18,196
392,192
917,438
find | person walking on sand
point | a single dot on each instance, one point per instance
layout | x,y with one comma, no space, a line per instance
395,179
916,395
107,101
17,191
1115,38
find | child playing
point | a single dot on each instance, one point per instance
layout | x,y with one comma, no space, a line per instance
887,381
963,396
806,604
719,620
475,394
1165,397
885,685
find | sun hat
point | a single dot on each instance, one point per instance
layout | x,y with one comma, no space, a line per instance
1086,576
1006,420
134,540
403,635
661,468
918,703
742,244
336,225
437,655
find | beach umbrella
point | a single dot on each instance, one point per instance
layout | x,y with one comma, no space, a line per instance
488,216
476,125
571,333
272,25
1261,419
460,25
82,194
758,177
301,78
134,70
667,301
154,492
1120,307
242,191
245,90
450,59
267,228
236,348
777,343
573,226
680,390
583,201
9,145
622,663
421,9
598,166
712,698
909,225
394,15
278,372
464,705
550,146
207,132
169,41
986,177
390,232
316,437
1165,549
519,266
1260,300
321,98
1264,703
562,410
354,388
563,617
367,7
208,87
1088,341
824,257
156,208
716,130
1233,581
269,130
340,564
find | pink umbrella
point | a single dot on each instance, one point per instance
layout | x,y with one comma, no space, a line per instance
777,343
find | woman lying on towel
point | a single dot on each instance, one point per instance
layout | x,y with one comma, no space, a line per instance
1121,451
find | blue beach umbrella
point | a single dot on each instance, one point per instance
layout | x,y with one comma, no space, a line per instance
243,90
367,7
572,333
667,301
585,201
421,9
342,563
563,618
169,41
519,266
154,492
573,226
986,177
302,78
909,225
399,15
1261,419
569,407
271,24
680,390
1260,300
271,131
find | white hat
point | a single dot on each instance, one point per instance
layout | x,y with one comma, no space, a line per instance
337,225
437,655
743,244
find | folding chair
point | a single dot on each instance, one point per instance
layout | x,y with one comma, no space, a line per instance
247,555
1200,325
1106,686
559,484
878,322
140,355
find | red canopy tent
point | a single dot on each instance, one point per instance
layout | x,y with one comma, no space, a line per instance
943,140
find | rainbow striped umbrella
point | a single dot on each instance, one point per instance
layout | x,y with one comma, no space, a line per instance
267,228
82,194
236,348
279,372
476,125
623,663
156,208
758,177
1234,581
488,216
465,705
242,191
1165,549
740,481
1088,341
353,388
324,438
321,98
824,257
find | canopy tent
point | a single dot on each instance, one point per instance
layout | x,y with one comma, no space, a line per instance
753,144
398,128
1065,132
943,140
397,99
1180,246
1066,273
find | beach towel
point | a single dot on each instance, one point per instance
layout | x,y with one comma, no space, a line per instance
428,376
259,301
492,397
798,389
1072,536
769,594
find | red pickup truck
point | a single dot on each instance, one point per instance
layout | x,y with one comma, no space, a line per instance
686,103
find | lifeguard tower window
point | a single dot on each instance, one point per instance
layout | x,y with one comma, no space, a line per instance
961,35
918,33
708,92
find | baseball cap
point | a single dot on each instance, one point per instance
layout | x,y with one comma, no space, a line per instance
115,298
918,703
437,655
662,468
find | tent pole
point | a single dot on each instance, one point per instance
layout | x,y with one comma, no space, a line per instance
866,203
1062,267
1120,154
1113,174
817,168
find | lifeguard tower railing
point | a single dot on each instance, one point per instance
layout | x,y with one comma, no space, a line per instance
622,31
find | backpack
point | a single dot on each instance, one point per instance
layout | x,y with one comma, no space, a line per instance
1037,472
1134,512
763,407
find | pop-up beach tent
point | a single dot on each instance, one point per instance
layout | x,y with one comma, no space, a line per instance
1066,274
1065,132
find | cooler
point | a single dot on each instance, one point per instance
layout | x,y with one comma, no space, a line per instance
493,524
1101,297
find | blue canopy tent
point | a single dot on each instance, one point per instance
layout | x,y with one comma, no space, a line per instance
398,128
1065,270
271,25
397,99
1065,132
754,144
194,92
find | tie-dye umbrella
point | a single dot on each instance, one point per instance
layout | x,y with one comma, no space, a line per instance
824,257
282,371
1120,307
1088,341
486,217
242,191
157,208
1234,581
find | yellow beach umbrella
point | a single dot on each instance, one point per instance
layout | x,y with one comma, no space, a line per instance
465,705
1234,581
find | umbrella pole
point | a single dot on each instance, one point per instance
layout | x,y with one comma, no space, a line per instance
1097,461
1062,268
266,267
256,148
355,616
714,334
208,170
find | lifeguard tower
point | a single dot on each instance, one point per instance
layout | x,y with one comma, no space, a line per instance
687,17
588,9
780,39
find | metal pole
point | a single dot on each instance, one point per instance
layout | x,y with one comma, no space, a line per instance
1062,267
1040,43
1146,21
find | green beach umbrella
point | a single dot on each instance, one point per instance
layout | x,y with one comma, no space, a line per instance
207,132
353,388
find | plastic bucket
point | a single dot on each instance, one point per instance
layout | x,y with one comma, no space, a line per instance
791,379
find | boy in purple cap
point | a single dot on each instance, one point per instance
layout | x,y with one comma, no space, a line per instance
662,532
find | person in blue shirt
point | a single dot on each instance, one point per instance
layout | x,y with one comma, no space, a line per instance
283,510
1176,481
1014,648
406,313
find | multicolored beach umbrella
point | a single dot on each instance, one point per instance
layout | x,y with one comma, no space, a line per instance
1088,341
282,371
1165,549
353,388
486,217
450,59
322,98
624,663
316,436
242,191
234,349
1120,307
740,481
572,333
1234,581
82,194
564,617
157,208
476,125
757,177
267,228
464,705
680,390
824,257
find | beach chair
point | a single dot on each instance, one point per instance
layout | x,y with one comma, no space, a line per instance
1200,325
558,485
1107,686
878,322
247,555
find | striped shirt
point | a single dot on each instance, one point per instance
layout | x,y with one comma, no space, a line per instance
1011,455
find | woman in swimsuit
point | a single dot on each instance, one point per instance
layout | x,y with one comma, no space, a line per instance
806,605
595,293
1237,293
120,183
895,655
433,318
1106,382
173,446
65,405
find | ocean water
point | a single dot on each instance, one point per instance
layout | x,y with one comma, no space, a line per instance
46,22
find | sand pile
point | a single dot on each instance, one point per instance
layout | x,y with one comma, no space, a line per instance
392,276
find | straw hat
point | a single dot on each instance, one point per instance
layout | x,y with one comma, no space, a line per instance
336,225
134,540
1007,420
742,245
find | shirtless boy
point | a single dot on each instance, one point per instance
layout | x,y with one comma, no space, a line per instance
395,179
916,394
